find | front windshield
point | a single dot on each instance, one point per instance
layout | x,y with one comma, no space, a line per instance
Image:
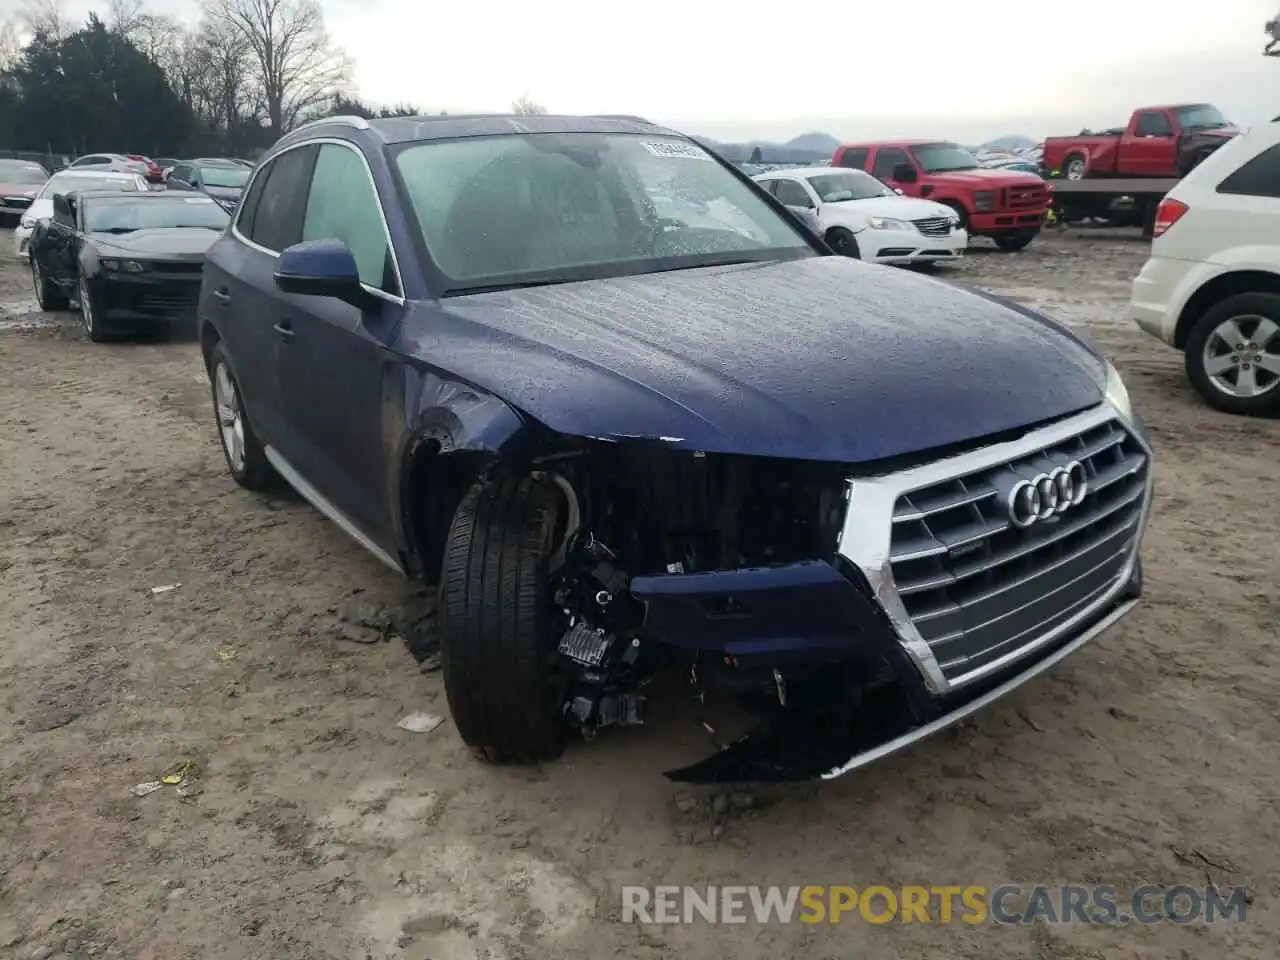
548,207
848,185
1200,116
80,181
21,173
224,176
125,216
944,157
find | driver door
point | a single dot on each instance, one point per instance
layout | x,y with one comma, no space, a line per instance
55,246
888,159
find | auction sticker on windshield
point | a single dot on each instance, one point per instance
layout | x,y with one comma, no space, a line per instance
674,149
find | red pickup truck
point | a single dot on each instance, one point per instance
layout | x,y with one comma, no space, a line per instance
1158,142
1007,206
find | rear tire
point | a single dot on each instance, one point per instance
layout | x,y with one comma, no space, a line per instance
502,675
1075,167
1013,242
843,242
1254,317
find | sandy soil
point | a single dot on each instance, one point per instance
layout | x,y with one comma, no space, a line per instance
310,826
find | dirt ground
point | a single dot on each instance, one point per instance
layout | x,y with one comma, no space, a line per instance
310,826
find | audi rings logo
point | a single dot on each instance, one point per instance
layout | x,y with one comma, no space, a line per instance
1048,494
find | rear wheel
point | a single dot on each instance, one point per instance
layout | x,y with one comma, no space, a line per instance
1233,354
1013,242
843,242
47,293
502,674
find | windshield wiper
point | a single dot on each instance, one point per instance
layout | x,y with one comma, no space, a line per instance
506,285
117,230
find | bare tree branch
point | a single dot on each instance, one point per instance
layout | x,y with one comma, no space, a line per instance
527,107
292,61
44,16
10,45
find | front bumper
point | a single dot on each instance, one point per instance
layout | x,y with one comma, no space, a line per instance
1006,221
853,610
910,246
147,299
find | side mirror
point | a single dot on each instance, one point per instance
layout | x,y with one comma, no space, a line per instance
322,268
62,211
905,173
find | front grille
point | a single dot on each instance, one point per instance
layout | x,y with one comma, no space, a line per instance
166,298
977,587
1030,197
192,268
934,226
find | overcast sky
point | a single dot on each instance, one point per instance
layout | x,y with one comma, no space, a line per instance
966,69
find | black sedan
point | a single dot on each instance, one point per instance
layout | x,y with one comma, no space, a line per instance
133,261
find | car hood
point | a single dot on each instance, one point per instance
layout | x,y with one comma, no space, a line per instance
824,358
174,243
902,208
986,178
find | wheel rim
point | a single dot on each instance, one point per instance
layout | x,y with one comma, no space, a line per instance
39,283
1241,357
1075,170
230,419
86,309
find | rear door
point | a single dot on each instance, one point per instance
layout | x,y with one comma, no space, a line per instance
855,158
332,368
239,295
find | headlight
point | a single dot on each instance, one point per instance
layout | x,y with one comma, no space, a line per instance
984,201
1117,393
123,266
888,223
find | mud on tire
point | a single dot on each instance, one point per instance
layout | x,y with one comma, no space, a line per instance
497,649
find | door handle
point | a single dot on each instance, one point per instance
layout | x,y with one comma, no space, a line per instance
223,296
285,329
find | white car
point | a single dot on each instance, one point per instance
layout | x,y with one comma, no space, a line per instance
1212,285
860,217
69,181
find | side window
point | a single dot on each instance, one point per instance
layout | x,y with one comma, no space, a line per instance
1154,124
342,205
855,159
1260,177
181,172
249,204
793,194
886,160
277,220
768,186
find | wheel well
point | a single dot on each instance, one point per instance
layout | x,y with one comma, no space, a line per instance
208,340
958,207
435,484
1217,290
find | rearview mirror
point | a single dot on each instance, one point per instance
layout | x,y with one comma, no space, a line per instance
905,173
322,268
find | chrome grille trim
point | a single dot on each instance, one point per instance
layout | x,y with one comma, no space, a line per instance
933,226
880,504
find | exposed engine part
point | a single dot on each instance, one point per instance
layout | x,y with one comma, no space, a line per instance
586,645
613,709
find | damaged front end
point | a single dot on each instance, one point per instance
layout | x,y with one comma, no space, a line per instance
853,612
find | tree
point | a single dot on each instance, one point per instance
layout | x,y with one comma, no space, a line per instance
526,107
44,17
10,46
291,59
756,156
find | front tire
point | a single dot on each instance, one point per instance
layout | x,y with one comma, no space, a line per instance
502,677
91,312
48,296
246,459
844,243
1233,355
1013,242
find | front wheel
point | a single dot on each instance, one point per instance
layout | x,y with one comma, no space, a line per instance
502,677
246,459
844,243
48,296
1233,354
1013,242
91,312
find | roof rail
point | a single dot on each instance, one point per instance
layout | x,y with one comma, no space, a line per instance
620,116
360,123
